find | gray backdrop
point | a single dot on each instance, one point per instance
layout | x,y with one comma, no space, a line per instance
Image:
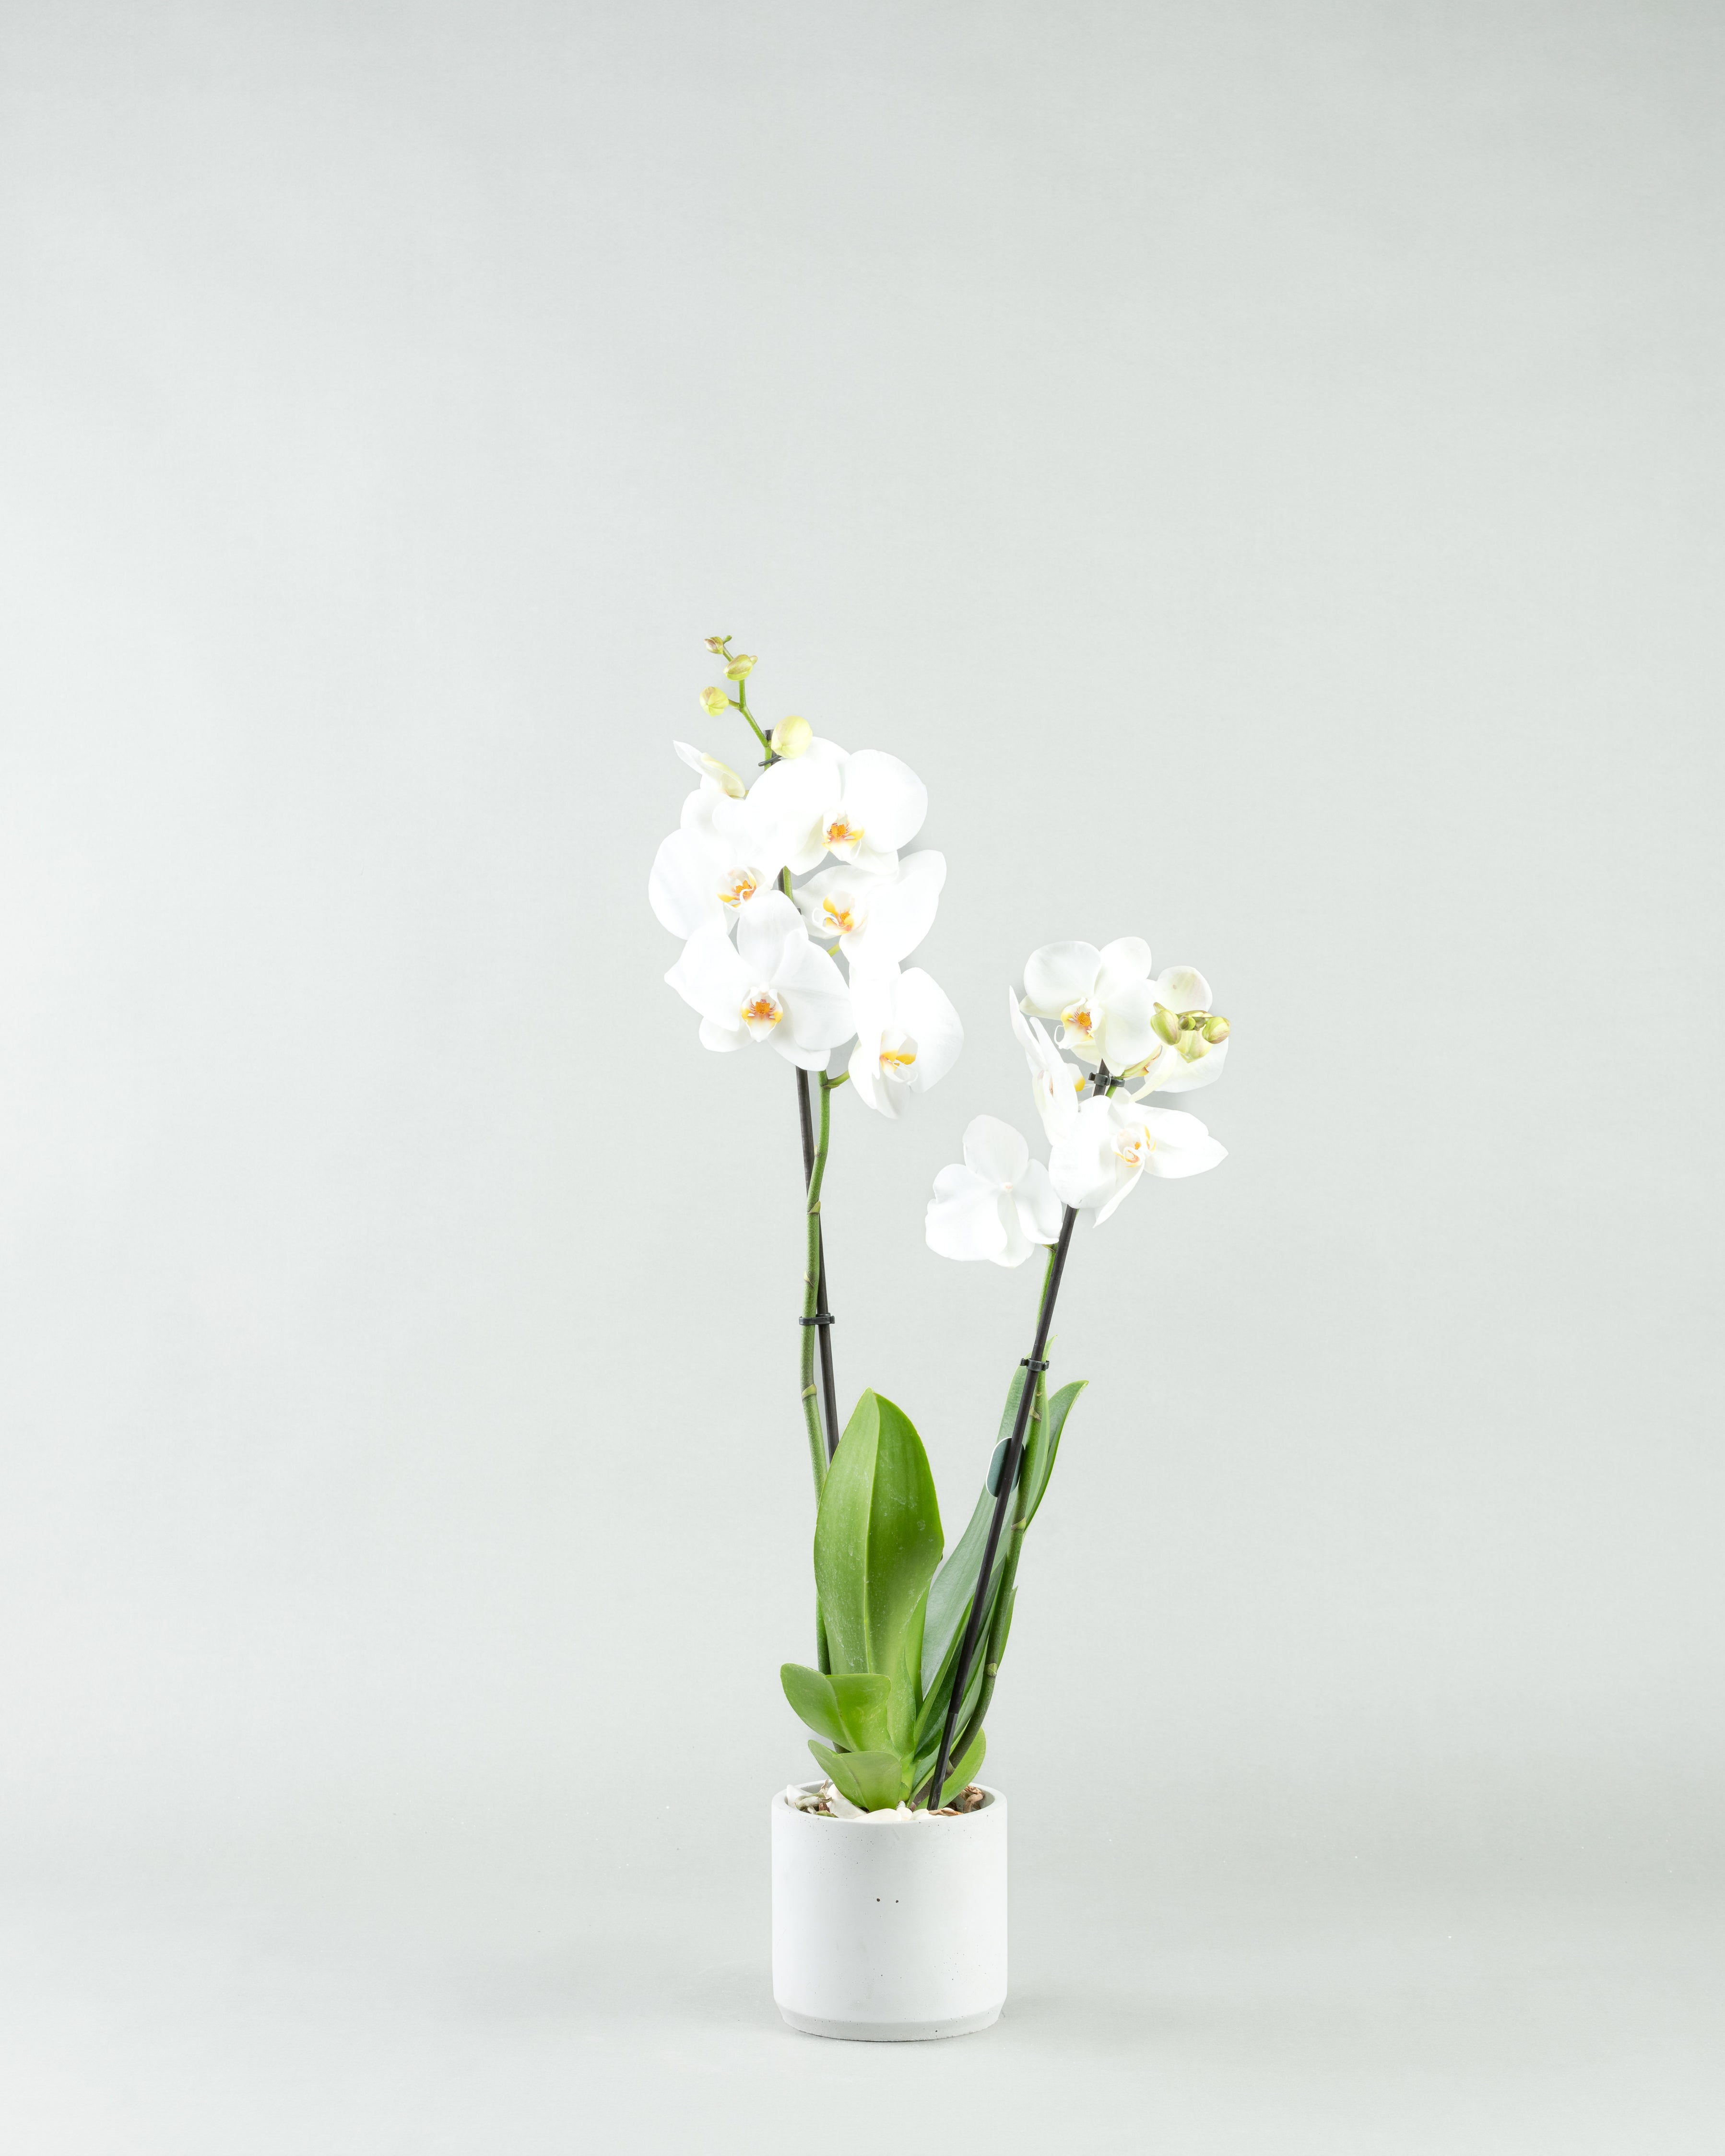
1259,464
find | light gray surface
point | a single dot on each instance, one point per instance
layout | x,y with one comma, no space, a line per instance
1260,465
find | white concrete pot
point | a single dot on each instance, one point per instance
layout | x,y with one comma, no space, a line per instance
888,1928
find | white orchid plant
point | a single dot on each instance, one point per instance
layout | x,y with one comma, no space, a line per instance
798,903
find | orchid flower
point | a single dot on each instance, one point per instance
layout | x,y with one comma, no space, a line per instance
1112,1141
1193,1043
773,984
860,807
1055,1084
1102,998
908,1035
877,916
1000,1204
704,872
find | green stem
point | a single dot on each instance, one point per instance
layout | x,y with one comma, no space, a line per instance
741,702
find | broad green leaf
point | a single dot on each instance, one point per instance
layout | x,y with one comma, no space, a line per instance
812,1698
862,1703
874,1781
965,1773
955,1583
1041,1466
877,1538
850,1710
906,1696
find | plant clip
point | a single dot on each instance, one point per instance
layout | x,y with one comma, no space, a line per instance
827,1318
1024,1362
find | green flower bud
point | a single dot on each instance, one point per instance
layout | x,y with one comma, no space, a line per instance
1167,1024
1215,1029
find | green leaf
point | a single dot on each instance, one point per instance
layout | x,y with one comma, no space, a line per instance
874,1781
906,1699
955,1583
862,1702
1042,1466
812,1698
877,1538
850,1710
965,1773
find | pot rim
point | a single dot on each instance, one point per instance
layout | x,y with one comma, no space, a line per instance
991,1798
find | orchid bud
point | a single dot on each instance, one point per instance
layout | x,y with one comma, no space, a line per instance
1193,1046
1215,1029
1167,1024
1190,1021
717,643
791,736
741,667
713,702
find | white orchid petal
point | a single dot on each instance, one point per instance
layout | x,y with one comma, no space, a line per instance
963,1218
720,1038
771,937
901,908
1081,1167
1058,975
995,1149
1124,960
1182,989
1125,1029
884,799
1039,1205
710,977
922,1007
683,887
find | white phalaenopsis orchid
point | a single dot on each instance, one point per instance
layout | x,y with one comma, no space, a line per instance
1112,1141
1198,1047
773,984
1000,1204
860,807
1055,1084
1103,999
908,1035
708,869
876,916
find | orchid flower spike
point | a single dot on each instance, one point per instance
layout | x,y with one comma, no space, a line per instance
1113,1142
908,1035
1102,998
773,984
1191,1043
1000,1204
877,916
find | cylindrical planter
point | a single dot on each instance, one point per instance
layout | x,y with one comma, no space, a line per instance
889,1928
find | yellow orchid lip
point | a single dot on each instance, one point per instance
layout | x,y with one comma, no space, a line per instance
742,887
761,1010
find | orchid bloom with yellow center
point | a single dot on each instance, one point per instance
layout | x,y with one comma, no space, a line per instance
1112,1142
771,984
877,916
908,1036
1103,999
823,803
